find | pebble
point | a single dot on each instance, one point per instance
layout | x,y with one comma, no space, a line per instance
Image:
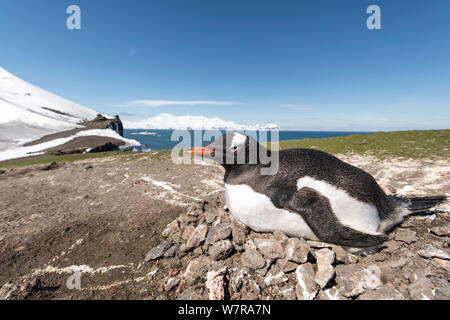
219,232
441,230
220,250
432,252
354,279
157,252
252,259
297,250
325,271
270,248
405,235
306,288
197,237
386,292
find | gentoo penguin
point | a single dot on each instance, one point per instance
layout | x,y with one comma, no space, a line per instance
313,195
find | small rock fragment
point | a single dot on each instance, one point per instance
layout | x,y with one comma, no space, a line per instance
210,216
171,283
297,250
342,256
252,259
386,292
221,250
325,271
432,252
196,269
441,230
197,237
270,248
171,228
391,246
288,292
286,265
319,244
157,252
405,235
275,276
306,288
354,279
172,251
187,232
216,284
219,232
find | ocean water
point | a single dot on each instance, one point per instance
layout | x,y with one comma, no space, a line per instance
152,140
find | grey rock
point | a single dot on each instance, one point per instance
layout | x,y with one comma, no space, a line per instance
221,250
429,289
252,259
331,294
306,288
270,248
210,216
297,250
157,252
187,232
238,234
386,292
405,235
286,265
171,228
432,252
236,224
355,279
342,256
219,232
197,237
325,271
441,230
171,252
288,292
391,246
275,276
319,244
197,269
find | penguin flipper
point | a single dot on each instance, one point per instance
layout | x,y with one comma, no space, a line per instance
316,210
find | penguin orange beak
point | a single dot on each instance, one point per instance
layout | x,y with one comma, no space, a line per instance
201,151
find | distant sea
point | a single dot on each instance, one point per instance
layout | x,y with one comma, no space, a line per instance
152,139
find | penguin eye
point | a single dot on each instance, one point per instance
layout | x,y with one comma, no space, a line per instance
233,148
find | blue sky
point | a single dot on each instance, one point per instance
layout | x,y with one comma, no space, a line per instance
310,65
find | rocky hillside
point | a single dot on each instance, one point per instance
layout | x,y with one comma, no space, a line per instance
35,121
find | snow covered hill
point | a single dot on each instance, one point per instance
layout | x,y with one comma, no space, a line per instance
28,113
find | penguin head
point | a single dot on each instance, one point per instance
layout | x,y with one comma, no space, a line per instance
228,149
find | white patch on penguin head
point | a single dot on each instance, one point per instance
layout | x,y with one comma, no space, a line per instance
238,139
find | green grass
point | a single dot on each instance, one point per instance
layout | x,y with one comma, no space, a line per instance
434,144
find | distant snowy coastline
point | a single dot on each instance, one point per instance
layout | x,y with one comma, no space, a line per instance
192,122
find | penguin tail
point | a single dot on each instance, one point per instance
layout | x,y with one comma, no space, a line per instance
419,204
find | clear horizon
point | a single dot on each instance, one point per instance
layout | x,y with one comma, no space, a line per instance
305,66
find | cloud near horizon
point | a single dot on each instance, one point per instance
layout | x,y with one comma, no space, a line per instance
182,122
162,103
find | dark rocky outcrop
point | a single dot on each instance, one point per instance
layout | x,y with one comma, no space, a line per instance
90,143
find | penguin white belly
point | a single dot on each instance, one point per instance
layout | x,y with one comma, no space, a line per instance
257,211
351,212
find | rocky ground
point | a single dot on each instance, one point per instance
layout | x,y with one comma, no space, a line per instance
144,228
